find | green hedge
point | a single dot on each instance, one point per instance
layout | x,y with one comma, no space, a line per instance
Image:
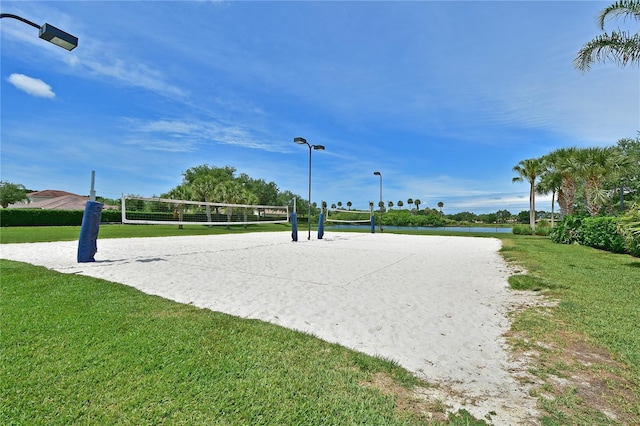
599,232
39,217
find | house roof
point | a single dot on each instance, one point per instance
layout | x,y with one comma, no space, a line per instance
50,193
66,202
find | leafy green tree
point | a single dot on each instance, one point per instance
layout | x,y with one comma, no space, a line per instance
619,47
502,216
524,216
464,217
219,174
266,193
12,193
529,170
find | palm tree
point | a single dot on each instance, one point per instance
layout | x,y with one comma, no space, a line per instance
563,161
203,188
349,204
400,203
247,197
339,204
594,166
620,47
390,204
550,181
529,170
410,202
229,192
440,205
417,202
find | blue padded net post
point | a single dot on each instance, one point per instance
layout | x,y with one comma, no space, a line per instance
373,224
294,226
321,226
87,244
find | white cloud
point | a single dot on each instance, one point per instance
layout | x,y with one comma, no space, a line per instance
33,86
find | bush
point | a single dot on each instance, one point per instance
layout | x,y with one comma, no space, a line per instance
629,228
522,230
602,233
567,231
40,217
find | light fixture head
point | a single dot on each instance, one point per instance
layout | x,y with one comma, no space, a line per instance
300,141
318,147
377,173
58,37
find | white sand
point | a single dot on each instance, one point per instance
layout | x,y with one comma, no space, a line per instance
436,305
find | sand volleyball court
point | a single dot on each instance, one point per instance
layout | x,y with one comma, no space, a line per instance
436,305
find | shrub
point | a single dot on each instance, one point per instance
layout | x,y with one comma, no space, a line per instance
40,217
602,233
567,231
629,228
522,230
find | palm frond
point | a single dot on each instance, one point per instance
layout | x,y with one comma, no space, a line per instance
620,8
619,48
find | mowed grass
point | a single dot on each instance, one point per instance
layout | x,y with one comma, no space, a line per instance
76,349
81,350
586,346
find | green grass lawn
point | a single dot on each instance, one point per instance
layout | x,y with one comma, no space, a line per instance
80,350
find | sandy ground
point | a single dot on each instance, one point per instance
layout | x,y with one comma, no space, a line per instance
436,305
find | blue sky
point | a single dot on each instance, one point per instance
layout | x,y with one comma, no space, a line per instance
443,98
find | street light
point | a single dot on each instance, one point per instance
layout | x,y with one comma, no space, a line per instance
303,141
49,32
380,203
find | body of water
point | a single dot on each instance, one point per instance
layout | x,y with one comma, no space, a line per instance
489,229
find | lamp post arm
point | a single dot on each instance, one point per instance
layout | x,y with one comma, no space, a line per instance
19,18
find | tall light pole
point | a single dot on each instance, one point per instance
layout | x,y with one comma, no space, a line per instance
303,141
380,203
49,32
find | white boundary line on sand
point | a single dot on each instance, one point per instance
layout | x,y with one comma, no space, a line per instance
436,305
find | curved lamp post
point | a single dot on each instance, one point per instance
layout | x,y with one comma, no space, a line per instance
380,203
303,141
49,32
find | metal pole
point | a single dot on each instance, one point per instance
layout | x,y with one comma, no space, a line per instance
92,192
380,202
309,206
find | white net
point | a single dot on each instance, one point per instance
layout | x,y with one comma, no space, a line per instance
348,216
162,211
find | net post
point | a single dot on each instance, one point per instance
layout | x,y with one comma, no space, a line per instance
373,219
321,225
294,226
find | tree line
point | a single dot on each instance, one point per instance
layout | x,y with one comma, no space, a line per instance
591,181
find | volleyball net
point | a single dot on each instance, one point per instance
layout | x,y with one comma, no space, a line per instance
164,211
356,217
